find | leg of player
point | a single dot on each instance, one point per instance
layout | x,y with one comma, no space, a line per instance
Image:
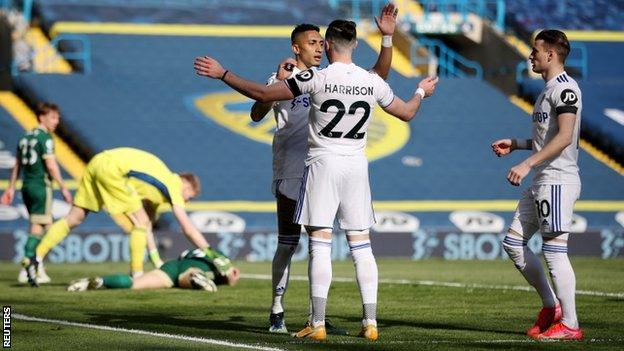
531,269
367,278
287,242
320,276
524,224
36,232
38,201
155,279
59,230
555,249
55,234
138,240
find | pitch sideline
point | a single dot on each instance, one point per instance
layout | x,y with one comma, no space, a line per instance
262,348
145,332
619,295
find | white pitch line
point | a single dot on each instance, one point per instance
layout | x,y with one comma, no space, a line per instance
262,348
526,340
145,332
619,295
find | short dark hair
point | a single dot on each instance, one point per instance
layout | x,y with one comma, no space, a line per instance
300,28
44,108
557,40
341,31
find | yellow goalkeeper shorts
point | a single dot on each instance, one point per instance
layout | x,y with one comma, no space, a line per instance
104,184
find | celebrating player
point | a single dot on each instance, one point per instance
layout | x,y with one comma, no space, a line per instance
290,144
126,181
192,270
335,181
35,155
547,205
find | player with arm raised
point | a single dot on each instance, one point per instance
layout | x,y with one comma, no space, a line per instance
547,205
335,182
37,163
290,145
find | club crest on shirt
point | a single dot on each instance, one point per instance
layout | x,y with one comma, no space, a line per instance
230,110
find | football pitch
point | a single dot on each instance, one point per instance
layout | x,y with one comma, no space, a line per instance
423,305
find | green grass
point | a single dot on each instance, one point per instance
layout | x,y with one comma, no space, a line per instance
411,316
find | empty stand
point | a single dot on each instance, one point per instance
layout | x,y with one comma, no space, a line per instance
143,93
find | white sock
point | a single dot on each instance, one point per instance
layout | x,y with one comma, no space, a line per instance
531,268
287,244
564,281
367,278
320,275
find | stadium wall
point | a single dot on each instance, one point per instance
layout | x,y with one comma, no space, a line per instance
254,246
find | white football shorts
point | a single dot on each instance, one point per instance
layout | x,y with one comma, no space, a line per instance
333,187
547,208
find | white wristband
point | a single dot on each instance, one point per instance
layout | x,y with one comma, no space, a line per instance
386,41
420,91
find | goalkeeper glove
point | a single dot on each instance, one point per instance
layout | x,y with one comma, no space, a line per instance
222,262
155,258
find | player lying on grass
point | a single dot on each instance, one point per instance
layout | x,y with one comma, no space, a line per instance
192,270
126,181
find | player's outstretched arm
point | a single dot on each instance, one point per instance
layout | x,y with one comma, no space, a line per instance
208,67
188,228
9,193
386,22
557,144
55,173
504,147
406,110
284,70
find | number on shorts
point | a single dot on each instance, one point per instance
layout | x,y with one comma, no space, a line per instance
29,154
353,133
543,208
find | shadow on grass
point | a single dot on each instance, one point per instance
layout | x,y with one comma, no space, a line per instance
164,322
388,323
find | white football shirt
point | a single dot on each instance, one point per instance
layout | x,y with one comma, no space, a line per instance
560,95
290,142
343,97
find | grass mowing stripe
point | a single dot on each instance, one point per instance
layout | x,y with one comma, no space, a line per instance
442,284
145,332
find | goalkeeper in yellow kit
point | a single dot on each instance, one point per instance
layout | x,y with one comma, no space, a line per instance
132,183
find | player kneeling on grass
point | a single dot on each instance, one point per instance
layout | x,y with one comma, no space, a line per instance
194,269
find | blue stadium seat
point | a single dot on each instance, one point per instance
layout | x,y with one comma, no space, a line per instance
267,12
142,91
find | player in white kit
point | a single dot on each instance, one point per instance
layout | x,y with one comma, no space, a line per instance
547,205
290,145
335,182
